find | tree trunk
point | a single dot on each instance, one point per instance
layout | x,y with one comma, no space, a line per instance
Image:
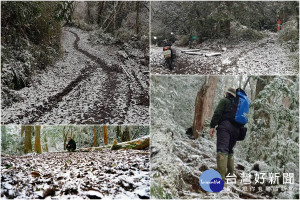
101,6
45,146
65,137
245,84
139,144
3,138
137,22
22,130
227,30
126,134
261,82
71,134
89,15
105,135
96,143
212,84
119,133
227,22
240,81
28,146
37,144
204,104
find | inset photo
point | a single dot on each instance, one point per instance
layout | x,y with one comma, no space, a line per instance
225,37
67,62
71,162
232,137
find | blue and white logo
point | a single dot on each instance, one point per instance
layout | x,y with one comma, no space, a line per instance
211,181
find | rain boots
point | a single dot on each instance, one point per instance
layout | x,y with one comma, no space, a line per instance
230,165
222,159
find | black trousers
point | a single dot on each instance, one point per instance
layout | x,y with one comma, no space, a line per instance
227,135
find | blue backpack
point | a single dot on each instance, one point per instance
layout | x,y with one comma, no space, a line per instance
241,105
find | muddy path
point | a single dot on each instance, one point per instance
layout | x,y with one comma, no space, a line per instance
95,92
110,82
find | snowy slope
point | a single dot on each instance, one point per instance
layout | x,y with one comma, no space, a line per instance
177,161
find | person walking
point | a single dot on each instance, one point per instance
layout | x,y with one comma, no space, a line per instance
227,133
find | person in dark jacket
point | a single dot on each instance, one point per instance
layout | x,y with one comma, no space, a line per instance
71,146
227,133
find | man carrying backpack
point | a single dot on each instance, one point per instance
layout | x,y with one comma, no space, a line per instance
230,116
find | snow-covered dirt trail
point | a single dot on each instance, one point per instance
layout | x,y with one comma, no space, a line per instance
264,57
87,86
122,174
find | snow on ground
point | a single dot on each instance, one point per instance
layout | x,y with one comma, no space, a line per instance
106,174
264,57
129,63
87,86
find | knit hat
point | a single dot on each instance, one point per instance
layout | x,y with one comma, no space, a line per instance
231,91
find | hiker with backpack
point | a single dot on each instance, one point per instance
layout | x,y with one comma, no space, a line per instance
230,117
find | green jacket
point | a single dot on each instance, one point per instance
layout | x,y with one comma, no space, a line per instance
223,106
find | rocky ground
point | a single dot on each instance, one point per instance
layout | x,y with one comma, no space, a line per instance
122,174
265,57
94,83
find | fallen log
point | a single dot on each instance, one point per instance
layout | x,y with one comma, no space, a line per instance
89,149
212,54
190,50
194,53
139,144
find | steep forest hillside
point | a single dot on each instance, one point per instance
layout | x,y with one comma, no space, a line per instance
271,144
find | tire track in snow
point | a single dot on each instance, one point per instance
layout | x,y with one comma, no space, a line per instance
103,113
112,74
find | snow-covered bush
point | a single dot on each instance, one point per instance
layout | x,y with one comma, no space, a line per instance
273,129
289,31
242,33
183,40
30,42
124,34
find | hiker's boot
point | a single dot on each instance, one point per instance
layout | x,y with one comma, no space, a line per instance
230,164
222,164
